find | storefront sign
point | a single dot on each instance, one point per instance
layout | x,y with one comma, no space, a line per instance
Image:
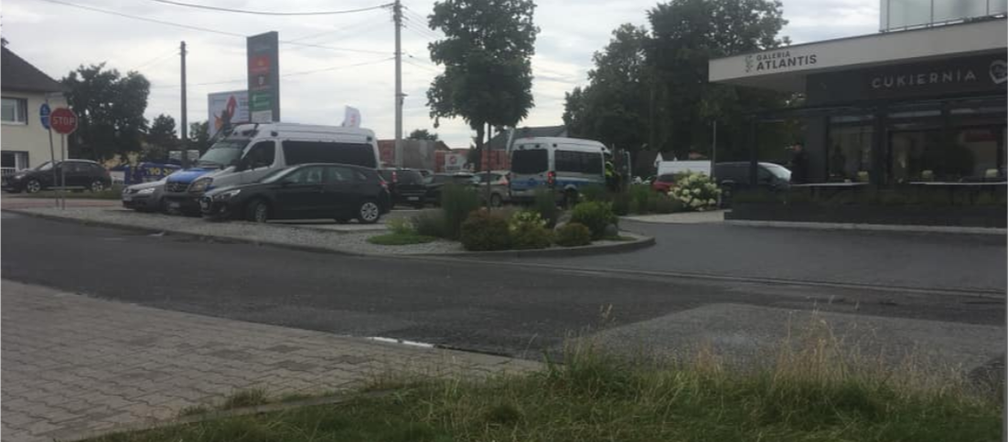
958,76
263,78
778,61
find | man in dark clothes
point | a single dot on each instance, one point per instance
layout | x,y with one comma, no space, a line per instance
799,164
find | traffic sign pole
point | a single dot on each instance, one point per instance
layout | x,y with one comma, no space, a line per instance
62,188
52,150
63,121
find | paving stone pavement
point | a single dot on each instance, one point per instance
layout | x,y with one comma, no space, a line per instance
75,366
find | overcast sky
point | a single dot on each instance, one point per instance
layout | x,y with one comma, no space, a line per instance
57,38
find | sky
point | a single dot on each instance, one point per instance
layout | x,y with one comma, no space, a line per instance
350,63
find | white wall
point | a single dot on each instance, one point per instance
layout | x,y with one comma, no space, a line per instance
30,137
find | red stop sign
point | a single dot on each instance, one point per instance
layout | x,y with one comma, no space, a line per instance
63,120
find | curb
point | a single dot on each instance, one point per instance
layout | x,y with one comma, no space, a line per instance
639,242
870,227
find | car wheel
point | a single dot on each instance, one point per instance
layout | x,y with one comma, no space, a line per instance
97,186
369,212
33,186
496,200
257,211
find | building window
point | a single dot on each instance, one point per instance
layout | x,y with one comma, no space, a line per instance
14,111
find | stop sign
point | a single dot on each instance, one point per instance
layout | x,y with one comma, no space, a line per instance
63,120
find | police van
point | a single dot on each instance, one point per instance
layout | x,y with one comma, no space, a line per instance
251,151
562,164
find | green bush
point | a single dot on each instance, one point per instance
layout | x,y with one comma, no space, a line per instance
621,204
544,203
594,215
664,204
527,230
573,235
400,226
640,194
457,202
594,192
430,223
483,230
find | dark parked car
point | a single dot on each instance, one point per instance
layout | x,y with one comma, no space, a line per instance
438,180
306,191
406,186
80,174
145,197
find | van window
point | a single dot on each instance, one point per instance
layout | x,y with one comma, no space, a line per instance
578,162
301,152
261,154
530,161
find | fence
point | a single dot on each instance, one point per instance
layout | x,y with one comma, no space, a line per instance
7,171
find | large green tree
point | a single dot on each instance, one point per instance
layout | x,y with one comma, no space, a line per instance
486,55
199,136
614,107
109,108
160,139
686,34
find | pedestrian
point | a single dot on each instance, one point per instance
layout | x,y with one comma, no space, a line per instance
799,164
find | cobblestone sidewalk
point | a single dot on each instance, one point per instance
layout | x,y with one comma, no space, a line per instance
74,366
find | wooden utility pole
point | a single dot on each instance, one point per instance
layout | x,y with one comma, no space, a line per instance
397,18
183,132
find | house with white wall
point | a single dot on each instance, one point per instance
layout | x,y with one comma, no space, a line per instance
24,143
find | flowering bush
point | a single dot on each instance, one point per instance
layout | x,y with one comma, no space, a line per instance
527,230
695,191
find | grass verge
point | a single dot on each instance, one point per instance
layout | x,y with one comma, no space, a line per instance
804,392
113,193
400,239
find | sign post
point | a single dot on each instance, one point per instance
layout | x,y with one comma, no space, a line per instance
44,113
263,77
64,122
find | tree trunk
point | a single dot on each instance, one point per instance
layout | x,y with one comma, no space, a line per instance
479,146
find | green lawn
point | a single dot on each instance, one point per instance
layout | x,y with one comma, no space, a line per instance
807,396
400,239
112,193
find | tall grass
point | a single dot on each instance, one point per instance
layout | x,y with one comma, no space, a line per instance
457,202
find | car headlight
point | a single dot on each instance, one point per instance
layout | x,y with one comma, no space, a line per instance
200,185
146,191
227,195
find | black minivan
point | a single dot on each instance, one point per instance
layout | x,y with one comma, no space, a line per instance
306,191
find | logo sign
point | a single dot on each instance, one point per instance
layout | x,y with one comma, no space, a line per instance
263,78
63,120
777,61
227,109
954,76
44,112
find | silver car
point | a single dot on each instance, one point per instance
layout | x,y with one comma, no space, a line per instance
144,197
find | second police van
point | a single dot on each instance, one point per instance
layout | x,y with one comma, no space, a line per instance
562,164
251,151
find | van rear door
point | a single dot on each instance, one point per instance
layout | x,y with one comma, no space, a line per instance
529,169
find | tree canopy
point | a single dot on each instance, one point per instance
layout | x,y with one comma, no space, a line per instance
423,134
109,108
649,87
160,139
199,136
486,55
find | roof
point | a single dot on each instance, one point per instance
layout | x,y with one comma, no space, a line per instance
499,142
19,75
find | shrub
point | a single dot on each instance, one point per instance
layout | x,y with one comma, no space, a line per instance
621,204
545,204
594,215
573,235
430,223
640,194
527,230
457,202
594,192
484,230
400,226
695,191
665,204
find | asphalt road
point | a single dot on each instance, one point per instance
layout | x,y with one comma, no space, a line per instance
922,260
492,307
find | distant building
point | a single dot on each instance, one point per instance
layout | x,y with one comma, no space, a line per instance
25,143
417,154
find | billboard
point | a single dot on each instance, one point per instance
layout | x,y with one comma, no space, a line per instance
263,77
226,108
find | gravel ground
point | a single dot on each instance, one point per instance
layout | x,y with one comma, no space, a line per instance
348,238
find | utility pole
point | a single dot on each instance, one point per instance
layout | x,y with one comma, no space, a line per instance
397,18
183,131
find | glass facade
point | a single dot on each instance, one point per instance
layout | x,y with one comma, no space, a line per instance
903,14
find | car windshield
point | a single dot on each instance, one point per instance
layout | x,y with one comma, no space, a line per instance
223,152
779,171
276,175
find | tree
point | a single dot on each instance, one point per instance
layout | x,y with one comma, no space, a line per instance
422,134
160,139
613,108
199,136
109,109
486,54
686,34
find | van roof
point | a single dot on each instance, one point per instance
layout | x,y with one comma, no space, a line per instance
307,129
556,140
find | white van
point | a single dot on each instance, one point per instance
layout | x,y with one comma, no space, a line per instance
251,151
562,164
674,167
